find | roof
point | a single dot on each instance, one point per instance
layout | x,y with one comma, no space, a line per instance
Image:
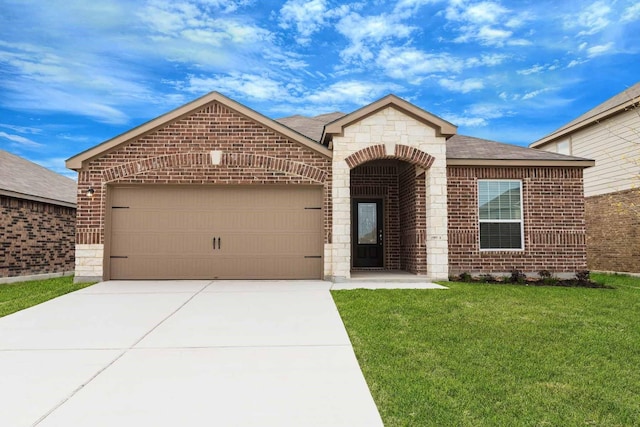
442,127
311,127
23,179
467,150
623,101
76,162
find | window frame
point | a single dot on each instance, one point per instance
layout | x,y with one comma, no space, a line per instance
511,221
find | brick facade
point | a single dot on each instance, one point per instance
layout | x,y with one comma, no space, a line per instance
613,231
554,222
413,220
180,153
37,238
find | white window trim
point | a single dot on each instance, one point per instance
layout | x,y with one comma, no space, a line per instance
521,220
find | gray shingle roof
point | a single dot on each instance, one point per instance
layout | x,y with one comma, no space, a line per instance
24,179
311,127
610,106
468,147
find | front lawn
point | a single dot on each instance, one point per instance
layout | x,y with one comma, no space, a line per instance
18,296
478,354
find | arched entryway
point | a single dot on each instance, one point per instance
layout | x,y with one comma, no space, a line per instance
388,216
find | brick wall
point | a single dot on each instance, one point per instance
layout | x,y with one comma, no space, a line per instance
37,238
613,231
413,221
554,224
179,153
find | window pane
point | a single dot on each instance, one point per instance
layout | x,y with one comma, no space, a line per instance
367,224
499,200
500,235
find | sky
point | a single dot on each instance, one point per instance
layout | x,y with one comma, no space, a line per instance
75,73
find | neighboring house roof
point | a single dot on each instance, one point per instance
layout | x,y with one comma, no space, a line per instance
628,98
311,127
467,150
76,162
23,179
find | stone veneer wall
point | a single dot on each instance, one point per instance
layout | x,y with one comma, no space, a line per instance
245,153
554,221
379,179
37,238
613,231
390,133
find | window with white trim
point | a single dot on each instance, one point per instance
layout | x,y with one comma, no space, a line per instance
563,147
500,214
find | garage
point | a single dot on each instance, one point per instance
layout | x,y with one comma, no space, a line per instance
214,232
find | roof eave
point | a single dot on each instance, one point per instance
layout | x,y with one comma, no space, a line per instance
587,122
582,163
47,200
79,160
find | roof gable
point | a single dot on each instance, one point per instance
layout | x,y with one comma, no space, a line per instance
77,162
23,179
442,127
628,98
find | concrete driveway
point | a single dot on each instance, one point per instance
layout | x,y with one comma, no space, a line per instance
183,353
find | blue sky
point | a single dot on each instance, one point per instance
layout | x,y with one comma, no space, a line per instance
74,73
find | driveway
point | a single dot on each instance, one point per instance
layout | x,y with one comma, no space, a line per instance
183,353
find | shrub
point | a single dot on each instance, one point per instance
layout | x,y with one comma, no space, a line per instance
544,274
582,277
466,277
487,278
517,276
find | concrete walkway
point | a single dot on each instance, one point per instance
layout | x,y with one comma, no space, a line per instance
183,353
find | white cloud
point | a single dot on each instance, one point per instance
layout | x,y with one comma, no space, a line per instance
591,19
599,49
632,13
367,32
486,22
478,115
21,129
243,85
413,64
20,140
307,16
534,93
462,86
350,92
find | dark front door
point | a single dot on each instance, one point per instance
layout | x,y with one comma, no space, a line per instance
368,248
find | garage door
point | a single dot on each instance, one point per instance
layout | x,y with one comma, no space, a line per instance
215,232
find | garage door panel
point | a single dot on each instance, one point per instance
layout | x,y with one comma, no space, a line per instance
265,232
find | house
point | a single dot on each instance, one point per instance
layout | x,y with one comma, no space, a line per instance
214,189
37,221
610,134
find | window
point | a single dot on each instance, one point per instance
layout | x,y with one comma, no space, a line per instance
563,147
500,214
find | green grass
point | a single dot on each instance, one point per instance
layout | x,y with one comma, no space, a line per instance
500,355
18,296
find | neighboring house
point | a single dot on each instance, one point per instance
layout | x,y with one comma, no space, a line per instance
214,189
610,134
37,221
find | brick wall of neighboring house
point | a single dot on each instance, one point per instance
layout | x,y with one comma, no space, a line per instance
613,231
179,153
554,221
37,238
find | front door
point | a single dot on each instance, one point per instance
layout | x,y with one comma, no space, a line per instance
368,247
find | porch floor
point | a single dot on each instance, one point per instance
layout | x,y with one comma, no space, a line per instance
385,279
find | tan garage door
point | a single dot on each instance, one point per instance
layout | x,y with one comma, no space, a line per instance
216,232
